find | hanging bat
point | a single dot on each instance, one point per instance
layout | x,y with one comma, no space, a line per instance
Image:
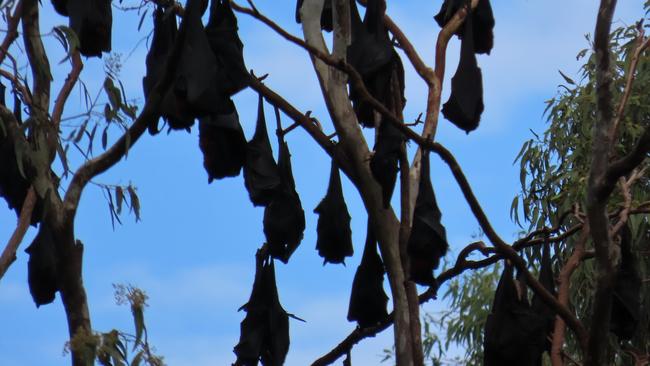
547,279
61,7
14,184
261,175
42,267
326,22
428,240
482,17
92,21
164,33
194,93
265,329
626,301
368,299
465,103
334,241
384,162
514,333
221,31
223,144
372,54
284,218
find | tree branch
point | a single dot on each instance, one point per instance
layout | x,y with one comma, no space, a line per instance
12,31
9,254
66,89
564,280
150,113
599,188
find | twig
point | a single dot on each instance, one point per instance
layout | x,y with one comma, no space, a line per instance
9,254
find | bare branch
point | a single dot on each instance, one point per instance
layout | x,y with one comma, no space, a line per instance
12,31
9,254
66,89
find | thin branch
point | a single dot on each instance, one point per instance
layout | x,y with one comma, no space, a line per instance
149,114
9,254
12,31
67,87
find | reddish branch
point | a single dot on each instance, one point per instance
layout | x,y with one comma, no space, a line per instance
9,254
564,282
12,31
66,89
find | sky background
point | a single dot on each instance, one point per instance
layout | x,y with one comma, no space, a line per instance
193,251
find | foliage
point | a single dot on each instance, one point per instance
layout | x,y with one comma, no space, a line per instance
118,348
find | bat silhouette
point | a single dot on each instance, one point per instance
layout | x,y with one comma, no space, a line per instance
42,267
428,240
261,174
465,103
14,185
626,301
373,56
228,49
326,22
265,329
193,93
514,333
164,33
482,17
368,299
334,241
284,218
384,162
547,279
92,22
223,144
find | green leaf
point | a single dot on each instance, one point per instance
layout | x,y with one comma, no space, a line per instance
135,202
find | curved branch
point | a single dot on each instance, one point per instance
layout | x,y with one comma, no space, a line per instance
12,31
66,89
9,254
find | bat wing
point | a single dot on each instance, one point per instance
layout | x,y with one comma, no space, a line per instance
626,301
92,21
482,16
284,218
384,163
261,174
514,333
368,299
334,240
228,48
326,19
223,144
277,341
428,240
465,103
61,7
547,279
164,33
197,70
41,267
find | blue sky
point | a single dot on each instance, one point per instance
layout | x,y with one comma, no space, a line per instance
193,251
